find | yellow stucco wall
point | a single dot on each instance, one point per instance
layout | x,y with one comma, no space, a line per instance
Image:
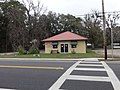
81,47
48,47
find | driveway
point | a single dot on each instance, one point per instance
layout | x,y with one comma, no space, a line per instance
116,52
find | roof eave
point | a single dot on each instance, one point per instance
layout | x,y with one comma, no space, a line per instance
65,40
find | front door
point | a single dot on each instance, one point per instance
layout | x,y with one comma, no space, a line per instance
64,48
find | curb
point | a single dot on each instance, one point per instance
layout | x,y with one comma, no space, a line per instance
56,59
40,59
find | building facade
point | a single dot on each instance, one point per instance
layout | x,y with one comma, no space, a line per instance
66,42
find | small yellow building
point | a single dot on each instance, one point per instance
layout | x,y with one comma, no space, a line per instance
66,42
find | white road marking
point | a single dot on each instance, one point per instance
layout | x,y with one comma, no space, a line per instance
89,59
89,78
62,79
114,80
89,65
89,62
90,69
6,89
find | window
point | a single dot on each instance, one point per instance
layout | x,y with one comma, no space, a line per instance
73,44
55,44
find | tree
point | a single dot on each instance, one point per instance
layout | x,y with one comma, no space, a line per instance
111,22
93,28
70,23
116,34
14,15
60,23
53,27
3,34
34,12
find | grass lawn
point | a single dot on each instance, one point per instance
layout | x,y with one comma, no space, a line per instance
89,54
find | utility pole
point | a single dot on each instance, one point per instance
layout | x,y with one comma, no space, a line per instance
112,38
104,30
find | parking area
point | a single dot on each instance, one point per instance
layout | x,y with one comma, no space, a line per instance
116,52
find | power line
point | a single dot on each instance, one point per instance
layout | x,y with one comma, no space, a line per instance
111,12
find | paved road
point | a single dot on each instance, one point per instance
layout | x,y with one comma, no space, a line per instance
29,78
88,75
85,74
115,65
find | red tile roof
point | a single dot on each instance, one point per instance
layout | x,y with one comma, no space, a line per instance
65,36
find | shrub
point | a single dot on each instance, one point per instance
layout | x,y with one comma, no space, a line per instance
33,50
21,50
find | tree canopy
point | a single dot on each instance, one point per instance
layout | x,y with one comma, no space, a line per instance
22,23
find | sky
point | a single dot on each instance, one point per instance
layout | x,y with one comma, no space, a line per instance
80,7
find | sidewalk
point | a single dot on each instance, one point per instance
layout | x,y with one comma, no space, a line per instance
10,53
50,59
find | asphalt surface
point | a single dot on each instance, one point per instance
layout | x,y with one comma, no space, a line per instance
25,78
31,79
86,85
89,76
115,66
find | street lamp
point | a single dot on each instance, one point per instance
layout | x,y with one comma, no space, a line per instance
104,31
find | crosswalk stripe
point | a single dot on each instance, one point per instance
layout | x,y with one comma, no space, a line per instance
6,89
62,79
90,69
112,78
90,62
89,65
89,78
